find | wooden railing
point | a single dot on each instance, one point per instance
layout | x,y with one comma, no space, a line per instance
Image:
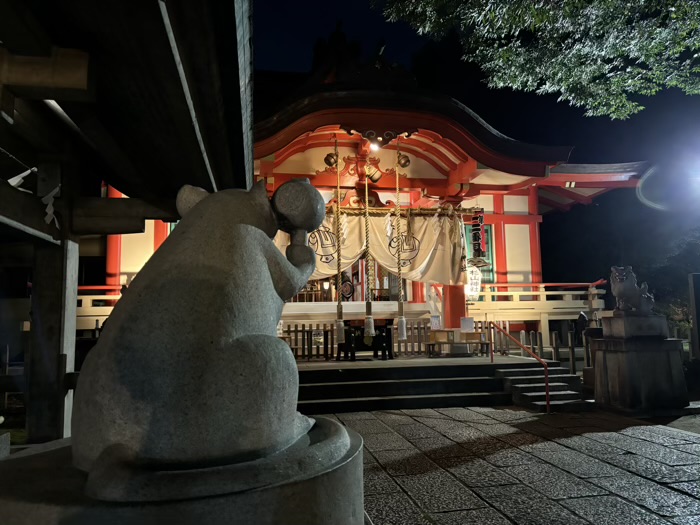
537,297
300,336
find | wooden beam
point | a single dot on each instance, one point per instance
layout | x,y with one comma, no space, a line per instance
25,212
221,87
496,218
52,349
115,216
567,194
554,204
138,208
63,75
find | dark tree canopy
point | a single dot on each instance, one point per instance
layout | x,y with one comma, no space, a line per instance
597,54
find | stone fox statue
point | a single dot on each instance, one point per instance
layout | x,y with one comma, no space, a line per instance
628,295
188,370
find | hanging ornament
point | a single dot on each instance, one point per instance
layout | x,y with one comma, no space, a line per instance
436,222
401,161
339,331
339,239
389,225
369,275
402,329
369,328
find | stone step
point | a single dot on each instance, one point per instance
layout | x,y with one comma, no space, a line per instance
535,379
564,395
539,387
516,372
562,406
361,404
402,369
392,387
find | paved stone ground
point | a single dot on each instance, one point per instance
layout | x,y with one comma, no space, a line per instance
461,466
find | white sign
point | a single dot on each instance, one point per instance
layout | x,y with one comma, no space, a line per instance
466,324
473,287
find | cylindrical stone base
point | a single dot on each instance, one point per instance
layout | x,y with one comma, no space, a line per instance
44,487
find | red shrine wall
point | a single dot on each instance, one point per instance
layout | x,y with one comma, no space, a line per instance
515,226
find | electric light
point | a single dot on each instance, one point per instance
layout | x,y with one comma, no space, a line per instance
326,285
374,146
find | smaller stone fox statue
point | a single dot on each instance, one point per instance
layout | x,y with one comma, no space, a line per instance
629,296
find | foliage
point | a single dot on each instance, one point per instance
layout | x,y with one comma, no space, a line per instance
597,54
669,282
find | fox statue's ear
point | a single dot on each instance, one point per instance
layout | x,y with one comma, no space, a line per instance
188,197
259,189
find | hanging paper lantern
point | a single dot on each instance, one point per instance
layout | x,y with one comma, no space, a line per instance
473,287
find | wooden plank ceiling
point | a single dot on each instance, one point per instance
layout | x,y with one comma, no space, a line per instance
135,128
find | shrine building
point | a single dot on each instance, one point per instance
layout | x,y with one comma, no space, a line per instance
446,167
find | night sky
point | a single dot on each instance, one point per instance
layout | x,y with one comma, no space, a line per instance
619,229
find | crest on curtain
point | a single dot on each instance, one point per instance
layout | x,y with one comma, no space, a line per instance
410,246
324,243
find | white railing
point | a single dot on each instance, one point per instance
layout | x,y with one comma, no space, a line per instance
535,300
93,310
506,302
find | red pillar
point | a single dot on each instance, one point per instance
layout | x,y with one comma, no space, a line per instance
535,250
160,233
418,290
455,305
114,249
499,240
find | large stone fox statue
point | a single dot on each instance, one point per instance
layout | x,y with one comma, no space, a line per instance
188,370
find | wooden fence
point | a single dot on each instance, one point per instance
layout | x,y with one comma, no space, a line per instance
318,340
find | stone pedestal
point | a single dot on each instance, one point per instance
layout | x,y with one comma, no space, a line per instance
317,481
626,326
637,368
4,445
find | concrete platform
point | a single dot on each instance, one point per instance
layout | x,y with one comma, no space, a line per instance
502,466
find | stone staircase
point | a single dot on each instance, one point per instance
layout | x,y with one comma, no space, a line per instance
527,387
396,387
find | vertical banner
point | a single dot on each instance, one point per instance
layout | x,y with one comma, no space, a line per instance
477,235
473,286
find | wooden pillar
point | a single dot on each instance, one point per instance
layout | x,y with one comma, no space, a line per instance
535,249
52,348
544,329
160,233
455,305
114,249
418,289
499,241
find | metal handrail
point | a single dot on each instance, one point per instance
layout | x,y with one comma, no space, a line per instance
538,358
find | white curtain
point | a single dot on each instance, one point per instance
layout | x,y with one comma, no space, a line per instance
431,252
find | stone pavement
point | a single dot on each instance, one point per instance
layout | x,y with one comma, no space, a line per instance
459,466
